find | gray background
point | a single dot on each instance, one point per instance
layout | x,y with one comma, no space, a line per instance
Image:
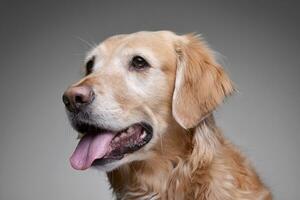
41,55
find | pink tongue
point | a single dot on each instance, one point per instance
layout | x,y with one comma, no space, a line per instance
90,148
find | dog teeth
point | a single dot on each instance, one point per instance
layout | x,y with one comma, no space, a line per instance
80,135
123,135
130,130
143,135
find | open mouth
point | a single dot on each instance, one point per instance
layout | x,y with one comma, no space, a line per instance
98,146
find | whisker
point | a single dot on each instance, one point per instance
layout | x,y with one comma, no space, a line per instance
86,42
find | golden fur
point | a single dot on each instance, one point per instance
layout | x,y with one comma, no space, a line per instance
189,158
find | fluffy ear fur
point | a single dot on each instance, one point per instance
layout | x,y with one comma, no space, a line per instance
200,85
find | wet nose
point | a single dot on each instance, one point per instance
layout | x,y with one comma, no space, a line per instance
75,98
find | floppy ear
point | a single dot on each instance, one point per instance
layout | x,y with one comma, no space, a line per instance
200,84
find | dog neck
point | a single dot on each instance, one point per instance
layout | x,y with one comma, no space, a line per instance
179,154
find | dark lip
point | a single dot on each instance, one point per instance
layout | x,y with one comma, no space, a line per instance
103,161
83,127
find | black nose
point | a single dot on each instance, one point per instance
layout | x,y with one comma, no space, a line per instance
75,98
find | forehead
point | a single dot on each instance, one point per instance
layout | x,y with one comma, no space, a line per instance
160,43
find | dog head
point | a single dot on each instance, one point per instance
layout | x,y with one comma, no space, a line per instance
135,87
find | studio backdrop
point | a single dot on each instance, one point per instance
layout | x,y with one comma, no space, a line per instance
43,45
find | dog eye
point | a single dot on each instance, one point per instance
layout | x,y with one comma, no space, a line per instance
89,66
139,63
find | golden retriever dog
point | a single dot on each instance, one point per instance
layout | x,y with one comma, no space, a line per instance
144,113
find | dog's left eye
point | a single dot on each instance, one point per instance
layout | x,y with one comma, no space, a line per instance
139,63
89,66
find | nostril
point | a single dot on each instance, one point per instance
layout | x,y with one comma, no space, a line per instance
91,96
66,100
79,99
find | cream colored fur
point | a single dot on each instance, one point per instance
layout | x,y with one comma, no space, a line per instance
188,157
